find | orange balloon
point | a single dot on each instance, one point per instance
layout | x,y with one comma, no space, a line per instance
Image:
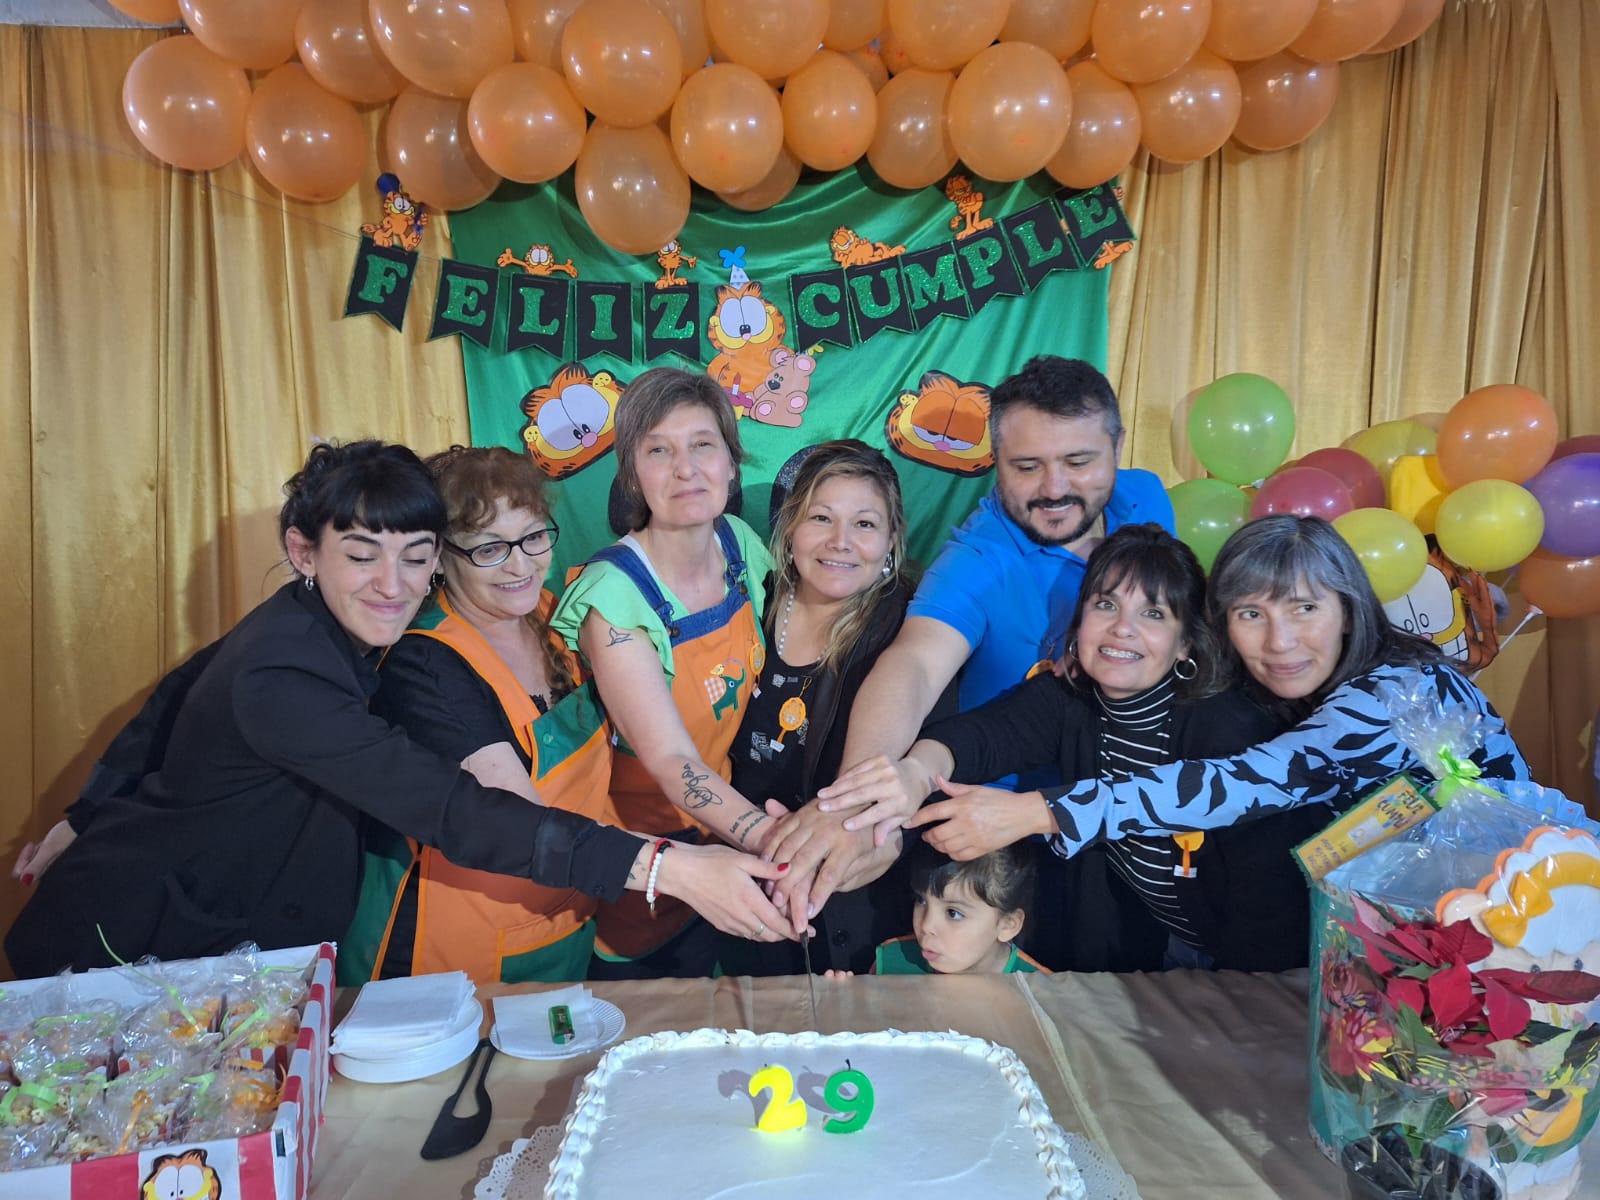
1283,99
688,19
774,38
525,123
895,58
1245,30
1191,112
1139,41
830,112
912,147
1060,27
536,29
444,46
1342,29
1561,587
427,145
852,24
942,34
727,127
1104,132
779,183
338,49
631,189
253,33
152,12
185,105
1415,18
870,63
307,142
1503,431
622,60
1009,111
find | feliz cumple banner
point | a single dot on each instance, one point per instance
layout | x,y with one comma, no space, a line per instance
820,318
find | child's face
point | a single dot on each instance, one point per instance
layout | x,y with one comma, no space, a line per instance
961,935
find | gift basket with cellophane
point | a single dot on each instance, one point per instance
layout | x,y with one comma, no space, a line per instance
1455,1041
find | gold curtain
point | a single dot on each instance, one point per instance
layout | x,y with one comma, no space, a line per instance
170,344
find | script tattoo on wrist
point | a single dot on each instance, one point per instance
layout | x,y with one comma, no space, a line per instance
746,824
695,792
615,636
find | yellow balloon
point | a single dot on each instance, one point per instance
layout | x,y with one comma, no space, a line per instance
1416,489
1391,549
1489,524
1385,442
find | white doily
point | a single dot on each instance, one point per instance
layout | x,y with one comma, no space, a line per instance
521,1172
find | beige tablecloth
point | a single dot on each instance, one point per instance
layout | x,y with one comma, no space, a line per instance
1195,1081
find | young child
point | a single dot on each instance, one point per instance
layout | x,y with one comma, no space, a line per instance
965,916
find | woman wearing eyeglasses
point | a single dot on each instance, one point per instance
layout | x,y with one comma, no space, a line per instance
481,679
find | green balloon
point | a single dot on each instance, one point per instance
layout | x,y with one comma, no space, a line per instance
1206,513
1241,427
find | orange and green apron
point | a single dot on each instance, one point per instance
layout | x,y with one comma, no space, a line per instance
717,656
502,928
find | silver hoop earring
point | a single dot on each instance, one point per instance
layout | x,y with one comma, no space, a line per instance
1072,648
436,581
1194,669
311,583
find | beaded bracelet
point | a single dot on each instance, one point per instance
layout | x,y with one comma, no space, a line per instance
655,869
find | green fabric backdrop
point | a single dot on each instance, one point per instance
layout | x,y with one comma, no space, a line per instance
852,390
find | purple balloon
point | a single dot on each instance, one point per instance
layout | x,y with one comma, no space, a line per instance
1568,489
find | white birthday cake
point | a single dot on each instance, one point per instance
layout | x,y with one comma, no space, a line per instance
945,1116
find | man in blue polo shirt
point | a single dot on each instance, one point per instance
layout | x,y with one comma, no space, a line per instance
997,601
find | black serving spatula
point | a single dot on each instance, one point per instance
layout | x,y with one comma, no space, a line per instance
452,1135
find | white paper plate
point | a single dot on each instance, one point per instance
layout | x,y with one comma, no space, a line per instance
598,1027
416,1064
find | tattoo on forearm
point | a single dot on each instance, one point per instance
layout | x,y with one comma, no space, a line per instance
615,636
746,824
695,792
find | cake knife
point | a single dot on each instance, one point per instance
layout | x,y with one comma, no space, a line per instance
811,980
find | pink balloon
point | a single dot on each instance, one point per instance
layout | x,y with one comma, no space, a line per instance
1304,491
1354,471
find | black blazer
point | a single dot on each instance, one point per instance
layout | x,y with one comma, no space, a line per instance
1248,901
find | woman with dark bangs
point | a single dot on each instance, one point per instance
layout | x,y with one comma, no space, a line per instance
228,809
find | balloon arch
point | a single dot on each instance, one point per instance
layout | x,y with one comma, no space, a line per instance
642,97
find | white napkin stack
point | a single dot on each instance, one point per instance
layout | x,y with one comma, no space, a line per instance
394,1018
522,1022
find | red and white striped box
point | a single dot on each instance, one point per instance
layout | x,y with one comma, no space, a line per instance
274,1164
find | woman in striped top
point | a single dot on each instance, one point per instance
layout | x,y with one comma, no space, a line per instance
1147,687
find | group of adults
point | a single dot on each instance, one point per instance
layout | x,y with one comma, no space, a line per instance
710,745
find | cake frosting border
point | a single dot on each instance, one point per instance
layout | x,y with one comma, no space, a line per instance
1066,1183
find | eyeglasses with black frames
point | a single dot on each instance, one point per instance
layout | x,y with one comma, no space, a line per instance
492,554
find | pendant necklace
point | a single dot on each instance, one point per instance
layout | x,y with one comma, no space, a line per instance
792,712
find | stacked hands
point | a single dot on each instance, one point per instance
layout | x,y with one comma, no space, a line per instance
849,835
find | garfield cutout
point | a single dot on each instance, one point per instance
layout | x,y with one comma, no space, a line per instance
571,419
403,221
540,261
850,249
969,218
185,1176
671,259
745,329
943,424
